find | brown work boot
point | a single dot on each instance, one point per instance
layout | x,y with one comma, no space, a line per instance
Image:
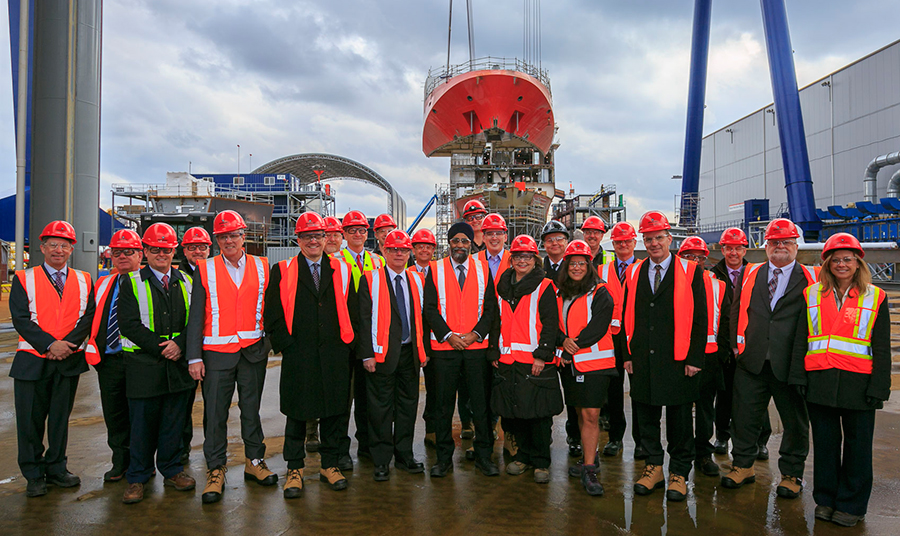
677,488
259,473
738,476
182,482
215,482
790,487
293,485
334,478
134,493
651,479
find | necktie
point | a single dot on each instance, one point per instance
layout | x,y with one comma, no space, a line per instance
462,276
657,278
622,267
773,283
165,281
112,330
315,274
734,280
58,281
359,262
400,298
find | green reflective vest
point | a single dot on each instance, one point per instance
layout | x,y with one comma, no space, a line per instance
144,298
371,262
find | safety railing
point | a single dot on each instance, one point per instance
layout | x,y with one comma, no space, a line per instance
437,77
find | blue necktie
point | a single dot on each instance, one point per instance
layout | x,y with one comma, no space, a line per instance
400,297
112,330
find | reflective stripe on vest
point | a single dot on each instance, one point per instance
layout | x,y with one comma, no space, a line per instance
235,338
340,283
145,306
599,356
747,283
461,321
841,339
519,337
101,292
715,294
370,262
59,315
610,275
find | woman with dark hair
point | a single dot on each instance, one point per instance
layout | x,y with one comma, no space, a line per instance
586,349
526,390
842,366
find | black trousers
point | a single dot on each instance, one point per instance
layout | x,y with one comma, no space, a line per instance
360,405
429,414
111,376
752,393
156,426
533,438
679,435
218,390
49,402
462,401
393,401
842,477
615,404
188,434
332,437
724,401
704,417
448,367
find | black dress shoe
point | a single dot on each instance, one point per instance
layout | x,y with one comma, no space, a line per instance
706,466
487,467
440,469
604,422
36,487
410,465
640,453
64,480
612,448
470,453
382,473
763,453
721,447
345,463
575,450
115,474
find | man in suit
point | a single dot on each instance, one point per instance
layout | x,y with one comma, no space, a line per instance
127,253
392,351
764,317
665,324
311,315
153,312
731,270
52,307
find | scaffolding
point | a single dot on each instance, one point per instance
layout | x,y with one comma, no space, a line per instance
605,203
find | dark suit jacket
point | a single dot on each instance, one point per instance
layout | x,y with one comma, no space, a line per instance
549,272
27,366
770,334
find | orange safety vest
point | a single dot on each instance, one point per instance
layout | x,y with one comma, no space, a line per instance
234,315
341,281
749,279
610,275
56,315
683,314
715,294
101,292
600,356
381,310
520,330
504,263
841,339
460,309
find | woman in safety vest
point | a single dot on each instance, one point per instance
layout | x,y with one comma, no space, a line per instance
526,389
586,352
842,366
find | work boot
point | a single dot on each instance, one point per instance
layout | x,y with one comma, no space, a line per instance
824,513
790,487
334,478
516,468
215,482
706,466
467,431
312,435
845,520
430,440
651,479
181,482
677,488
134,493
541,476
591,481
256,471
293,485
738,476
37,487
510,447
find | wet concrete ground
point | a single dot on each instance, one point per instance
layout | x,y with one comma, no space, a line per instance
463,503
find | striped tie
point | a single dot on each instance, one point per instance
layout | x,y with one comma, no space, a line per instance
165,281
59,283
657,278
112,330
773,283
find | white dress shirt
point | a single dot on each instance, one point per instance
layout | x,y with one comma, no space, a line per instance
236,273
783,279
159,275
651,272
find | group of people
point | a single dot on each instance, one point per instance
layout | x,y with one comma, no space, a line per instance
354,327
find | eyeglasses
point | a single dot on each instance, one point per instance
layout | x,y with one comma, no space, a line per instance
733,249
691,257
396,251
474,217
843,260
578,264
356,230
196,247
494,234
308,237
655,239
592,232
229,236
58,245
157,251
460,241
123,252
555,239
521,256
781,243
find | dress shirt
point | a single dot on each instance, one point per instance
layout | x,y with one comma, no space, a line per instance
407,297
236,273
651,272
494,262
52,273
159,275
422,269
783,279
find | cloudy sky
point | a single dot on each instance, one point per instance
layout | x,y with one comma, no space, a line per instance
187,81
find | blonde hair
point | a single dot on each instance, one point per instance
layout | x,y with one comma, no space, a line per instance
862,278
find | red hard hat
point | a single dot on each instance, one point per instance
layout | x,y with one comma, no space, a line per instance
493,222
781,228
355,218
384,220
424,236
843,241
309,221
524,244
160,235
125,239
654,221
59,229
578,247
694,243
333,225
228,221
623,231
593,222
196,235
397,239
733,237
474,207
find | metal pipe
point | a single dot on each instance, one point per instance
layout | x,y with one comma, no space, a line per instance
870,184
893,189
471,22
21,131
